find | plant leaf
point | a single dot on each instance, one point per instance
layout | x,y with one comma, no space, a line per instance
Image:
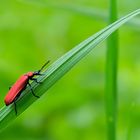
58,69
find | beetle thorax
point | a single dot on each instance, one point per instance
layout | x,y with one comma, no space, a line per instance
30,74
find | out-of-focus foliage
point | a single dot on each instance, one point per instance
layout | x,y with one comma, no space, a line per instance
74,108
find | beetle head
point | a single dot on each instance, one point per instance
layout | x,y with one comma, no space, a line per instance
36,73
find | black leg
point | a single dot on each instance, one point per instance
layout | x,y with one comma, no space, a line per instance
32,91
34,79
15,107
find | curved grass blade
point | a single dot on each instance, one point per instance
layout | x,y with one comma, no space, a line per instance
58,69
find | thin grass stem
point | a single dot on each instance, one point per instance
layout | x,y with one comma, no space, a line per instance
111,75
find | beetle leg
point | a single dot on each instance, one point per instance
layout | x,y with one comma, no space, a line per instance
32,90
15,107
10,87
34,79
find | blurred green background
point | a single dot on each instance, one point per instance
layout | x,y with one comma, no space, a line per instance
32,32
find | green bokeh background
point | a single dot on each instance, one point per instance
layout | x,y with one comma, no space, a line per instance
74,108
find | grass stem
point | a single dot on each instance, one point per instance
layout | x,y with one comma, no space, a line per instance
111,75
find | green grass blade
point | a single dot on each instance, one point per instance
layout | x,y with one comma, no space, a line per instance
111,76
58,69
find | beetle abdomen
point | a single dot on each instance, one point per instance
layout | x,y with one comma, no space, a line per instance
16,89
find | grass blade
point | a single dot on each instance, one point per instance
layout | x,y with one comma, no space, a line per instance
58,69
111,76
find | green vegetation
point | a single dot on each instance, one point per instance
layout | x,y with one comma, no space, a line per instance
111,76
33,32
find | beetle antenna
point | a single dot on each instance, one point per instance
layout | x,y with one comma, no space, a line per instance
44,66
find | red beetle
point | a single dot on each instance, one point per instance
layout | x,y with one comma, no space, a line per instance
20,85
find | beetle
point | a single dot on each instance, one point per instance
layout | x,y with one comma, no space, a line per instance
20,85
